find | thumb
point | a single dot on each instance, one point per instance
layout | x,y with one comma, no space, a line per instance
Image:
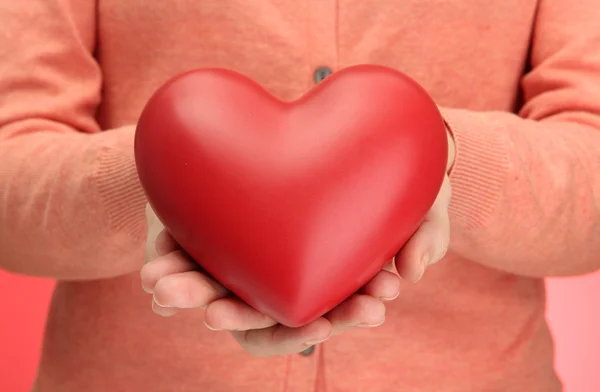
430,242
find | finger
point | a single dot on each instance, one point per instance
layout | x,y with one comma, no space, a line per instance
186,290
385,286
282,340
165,243
427,246
357,311
430,243
172,263
233,314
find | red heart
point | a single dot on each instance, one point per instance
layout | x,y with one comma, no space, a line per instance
293,206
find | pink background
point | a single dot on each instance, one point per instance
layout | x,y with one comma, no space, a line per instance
574,314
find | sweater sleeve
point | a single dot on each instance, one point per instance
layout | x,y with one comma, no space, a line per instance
526,187
71,206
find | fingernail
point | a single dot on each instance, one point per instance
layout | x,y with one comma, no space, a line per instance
148,289
422,266
161,305
315,342
163,311
369,325
211,327
390,298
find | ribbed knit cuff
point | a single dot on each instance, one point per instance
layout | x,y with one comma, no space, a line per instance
118,184
480,169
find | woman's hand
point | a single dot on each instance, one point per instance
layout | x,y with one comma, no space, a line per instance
177,283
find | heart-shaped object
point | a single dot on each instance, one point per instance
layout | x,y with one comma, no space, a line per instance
292,206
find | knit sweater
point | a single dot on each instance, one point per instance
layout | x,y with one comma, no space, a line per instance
518,82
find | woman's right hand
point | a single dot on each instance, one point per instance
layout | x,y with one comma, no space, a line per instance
177,283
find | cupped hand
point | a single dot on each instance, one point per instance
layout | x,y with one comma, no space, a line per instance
176,283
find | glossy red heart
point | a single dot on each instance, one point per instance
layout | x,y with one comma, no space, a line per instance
293,206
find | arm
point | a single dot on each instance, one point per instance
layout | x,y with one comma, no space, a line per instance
526,188
70,203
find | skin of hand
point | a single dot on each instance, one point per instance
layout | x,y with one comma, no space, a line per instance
177,283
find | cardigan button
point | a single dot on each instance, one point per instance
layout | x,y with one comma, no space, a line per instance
321,73
308,351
